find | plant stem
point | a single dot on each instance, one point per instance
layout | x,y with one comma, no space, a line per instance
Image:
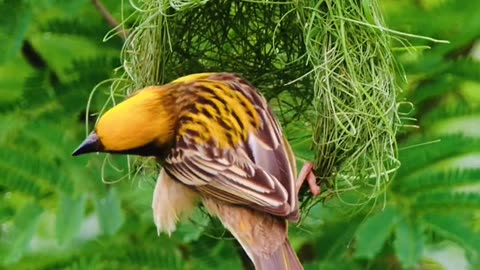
110,19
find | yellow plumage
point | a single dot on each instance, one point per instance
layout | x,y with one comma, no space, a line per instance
217,141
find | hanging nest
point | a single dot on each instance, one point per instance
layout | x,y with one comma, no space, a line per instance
326,68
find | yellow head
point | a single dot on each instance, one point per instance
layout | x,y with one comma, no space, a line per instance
141,125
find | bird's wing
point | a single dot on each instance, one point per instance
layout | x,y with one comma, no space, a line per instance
258,171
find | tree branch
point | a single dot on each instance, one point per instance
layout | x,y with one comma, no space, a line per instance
110,19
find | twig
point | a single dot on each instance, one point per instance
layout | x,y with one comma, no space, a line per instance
110,19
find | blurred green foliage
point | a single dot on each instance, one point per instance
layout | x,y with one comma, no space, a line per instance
56,213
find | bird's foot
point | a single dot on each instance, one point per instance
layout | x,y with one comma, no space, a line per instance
306,173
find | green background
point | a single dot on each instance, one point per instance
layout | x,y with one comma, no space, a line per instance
57,213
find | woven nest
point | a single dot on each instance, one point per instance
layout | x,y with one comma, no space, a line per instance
326,68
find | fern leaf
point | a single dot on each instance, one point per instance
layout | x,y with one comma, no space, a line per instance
408,243
51,138
35,170
216,255
36,90
192,229
451,227
6,213
459,119
13,26
161,258
434,88
94,69
420,158
76,27
460,110
110,213
24,226
448,200
444,180
372,234
11,124
466,69
333,265
14,179
69,217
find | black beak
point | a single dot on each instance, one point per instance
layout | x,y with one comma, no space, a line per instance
90,144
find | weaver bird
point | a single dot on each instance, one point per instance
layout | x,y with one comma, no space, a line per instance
218,142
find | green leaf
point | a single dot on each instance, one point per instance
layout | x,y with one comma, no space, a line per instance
333,265
219,254
158,258
24,226
110,212
60,51
434,88
460,110
372,234
333,244
465,68
420,158
12,83
6,213
408,243
448,200
13,27
451,227
15,179
192,229
37,169
69,217
460,118
444,180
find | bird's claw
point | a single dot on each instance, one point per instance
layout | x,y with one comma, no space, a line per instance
306,173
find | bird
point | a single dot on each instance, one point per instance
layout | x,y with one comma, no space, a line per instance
219,144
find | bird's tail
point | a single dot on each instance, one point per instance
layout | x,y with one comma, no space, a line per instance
284,258
262,236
